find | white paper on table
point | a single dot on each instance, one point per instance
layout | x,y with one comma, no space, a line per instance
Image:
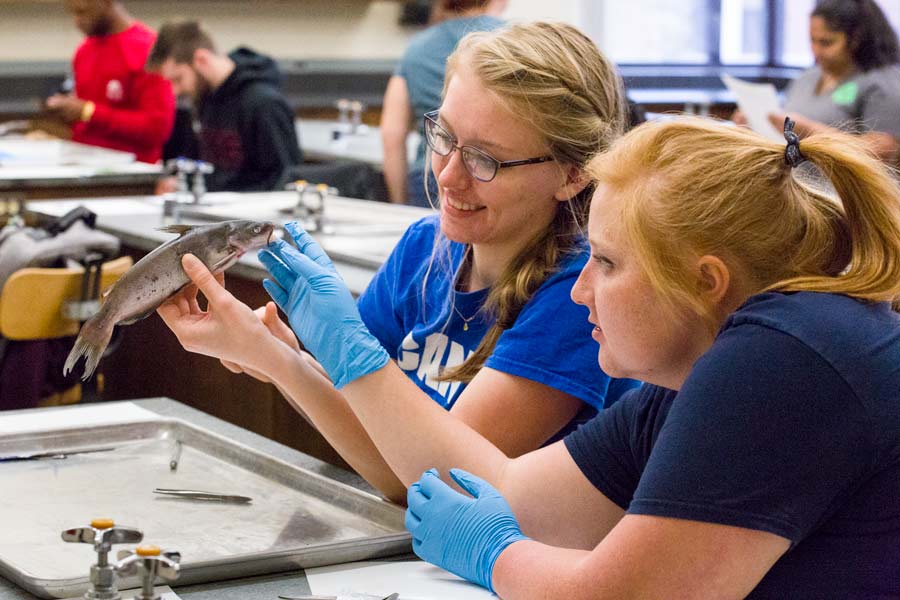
106,413
413,580
757,101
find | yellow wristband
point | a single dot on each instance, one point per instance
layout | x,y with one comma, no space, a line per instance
87,111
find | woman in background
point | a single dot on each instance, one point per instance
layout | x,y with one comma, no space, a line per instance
855,83
415,89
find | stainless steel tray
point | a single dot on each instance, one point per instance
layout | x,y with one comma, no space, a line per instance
297,518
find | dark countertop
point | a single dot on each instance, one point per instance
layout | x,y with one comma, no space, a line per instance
313,84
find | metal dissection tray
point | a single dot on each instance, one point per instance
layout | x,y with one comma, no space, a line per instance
297,518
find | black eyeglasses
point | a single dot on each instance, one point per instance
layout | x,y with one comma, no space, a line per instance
479,164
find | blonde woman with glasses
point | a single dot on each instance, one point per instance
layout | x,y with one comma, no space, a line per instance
472,306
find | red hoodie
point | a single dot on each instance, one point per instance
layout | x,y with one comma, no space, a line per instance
135,110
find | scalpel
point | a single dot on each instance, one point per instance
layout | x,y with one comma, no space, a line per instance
55,454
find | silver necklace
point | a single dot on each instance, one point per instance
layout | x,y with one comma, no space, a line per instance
464,319
463,272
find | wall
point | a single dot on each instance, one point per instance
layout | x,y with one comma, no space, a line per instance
284,28
35,30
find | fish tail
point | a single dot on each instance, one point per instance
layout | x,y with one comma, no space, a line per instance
91,343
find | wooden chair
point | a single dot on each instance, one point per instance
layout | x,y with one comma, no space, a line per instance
32,300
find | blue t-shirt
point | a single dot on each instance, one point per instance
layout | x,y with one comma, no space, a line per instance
422,66
427,330
789,423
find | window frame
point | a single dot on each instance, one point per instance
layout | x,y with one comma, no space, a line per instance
773,40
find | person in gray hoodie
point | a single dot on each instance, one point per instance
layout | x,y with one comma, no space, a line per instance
246,128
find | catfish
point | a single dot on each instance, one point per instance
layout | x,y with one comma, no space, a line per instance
159,276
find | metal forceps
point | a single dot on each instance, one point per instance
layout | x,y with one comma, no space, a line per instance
201,495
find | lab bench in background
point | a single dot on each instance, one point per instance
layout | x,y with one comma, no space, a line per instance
32,169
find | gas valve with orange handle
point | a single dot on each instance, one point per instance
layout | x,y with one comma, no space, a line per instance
103,533
149,562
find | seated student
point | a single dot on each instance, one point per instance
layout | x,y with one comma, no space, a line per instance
116,103
473,304
762,456
855,83
415,88
246,126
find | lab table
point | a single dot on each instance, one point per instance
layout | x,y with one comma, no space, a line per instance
33,169
149,361
263,587
361,234
320,142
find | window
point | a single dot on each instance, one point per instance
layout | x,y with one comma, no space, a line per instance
742,32
650,31
795,33
706,32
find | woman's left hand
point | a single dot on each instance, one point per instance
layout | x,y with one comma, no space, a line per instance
461,534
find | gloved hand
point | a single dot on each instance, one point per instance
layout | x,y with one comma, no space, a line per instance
320,308
460,534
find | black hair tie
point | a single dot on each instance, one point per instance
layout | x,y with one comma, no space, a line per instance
792,155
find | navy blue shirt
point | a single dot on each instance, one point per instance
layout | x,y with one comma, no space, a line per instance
789,423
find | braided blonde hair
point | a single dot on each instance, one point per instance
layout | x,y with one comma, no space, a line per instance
558,81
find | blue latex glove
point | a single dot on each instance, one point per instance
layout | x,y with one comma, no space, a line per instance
460,534
319,307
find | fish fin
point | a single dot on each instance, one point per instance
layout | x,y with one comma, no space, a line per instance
91,342
179,229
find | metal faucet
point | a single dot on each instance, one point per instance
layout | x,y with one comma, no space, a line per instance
103,533
201,169
300,186
356,108
315,205
310,207
181,167
343,106
149,562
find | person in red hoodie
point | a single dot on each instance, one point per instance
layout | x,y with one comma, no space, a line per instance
116,103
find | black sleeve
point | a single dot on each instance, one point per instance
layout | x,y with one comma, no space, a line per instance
183,140
273,144
612,448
